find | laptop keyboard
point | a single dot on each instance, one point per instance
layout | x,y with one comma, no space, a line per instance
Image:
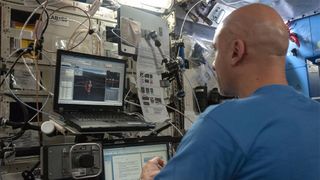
104,116
106,121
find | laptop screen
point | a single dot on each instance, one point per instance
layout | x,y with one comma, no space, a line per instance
127,162
89,80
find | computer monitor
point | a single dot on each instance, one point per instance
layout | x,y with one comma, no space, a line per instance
125,163
87,80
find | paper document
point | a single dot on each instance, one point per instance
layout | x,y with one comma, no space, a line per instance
148,83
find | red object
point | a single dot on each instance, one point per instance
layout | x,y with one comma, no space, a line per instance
293,36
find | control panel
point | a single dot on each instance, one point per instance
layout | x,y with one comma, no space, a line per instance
74,161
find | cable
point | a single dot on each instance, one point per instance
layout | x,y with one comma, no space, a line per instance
32,75
87,33
75,36
54,3
28,174
45,113
13,124
141,75
28,68
90,31
40,110
194,94
154,54
81,23
24,115
27,21
47,21
175,127
84,30
46,101
138,105
12,66
51,2
14,137
100,43
176,110
122,38
172,66
37,71
35,166
133,103
185,18
44,104
169,120
20,38
13,53
36,41
125,99
81,31
24,125
19,134
18,99
35,57
167,124
137,114
88,18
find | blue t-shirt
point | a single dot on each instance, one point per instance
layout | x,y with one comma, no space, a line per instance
274,134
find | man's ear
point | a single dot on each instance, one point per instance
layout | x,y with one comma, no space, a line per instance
239,49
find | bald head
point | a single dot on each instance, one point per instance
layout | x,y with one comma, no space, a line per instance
250,45
261,28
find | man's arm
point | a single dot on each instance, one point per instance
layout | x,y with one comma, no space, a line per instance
206,152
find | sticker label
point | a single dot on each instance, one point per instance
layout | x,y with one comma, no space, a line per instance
59,20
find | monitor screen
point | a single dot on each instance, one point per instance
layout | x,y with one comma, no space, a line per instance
125,163
90,80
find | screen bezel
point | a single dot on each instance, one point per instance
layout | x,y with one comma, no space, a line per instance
114,146
59,107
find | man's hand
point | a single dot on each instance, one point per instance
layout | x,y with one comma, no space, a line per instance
151,168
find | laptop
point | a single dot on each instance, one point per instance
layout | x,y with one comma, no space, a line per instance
89,92
124,161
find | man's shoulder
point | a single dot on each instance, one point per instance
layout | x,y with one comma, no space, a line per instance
225,115
231,107
237,118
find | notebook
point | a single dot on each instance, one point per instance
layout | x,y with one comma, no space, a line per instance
89,92
124,161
